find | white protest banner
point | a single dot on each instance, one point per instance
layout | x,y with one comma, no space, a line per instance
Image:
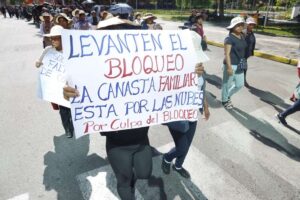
130,78
52,78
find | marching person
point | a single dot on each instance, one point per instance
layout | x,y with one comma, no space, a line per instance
94,19
82,23
63,20
65,113
293,108
234,63
45,27
183,131
75,14
251,41
3,11
149,23
128,151
198,27
138,18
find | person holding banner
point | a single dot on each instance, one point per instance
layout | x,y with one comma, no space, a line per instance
183,131
235,62
128,151
65,113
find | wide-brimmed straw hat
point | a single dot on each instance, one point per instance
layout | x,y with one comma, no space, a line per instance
74,12
45,14
55,31
136,14
196,40
112,21
149,16
235,21
62,15
81,12
250,20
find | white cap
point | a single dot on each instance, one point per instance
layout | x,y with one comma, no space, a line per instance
234,22
196,40
250,20
112,21
55,31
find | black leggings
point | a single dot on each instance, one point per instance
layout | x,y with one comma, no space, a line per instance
130,163
66,118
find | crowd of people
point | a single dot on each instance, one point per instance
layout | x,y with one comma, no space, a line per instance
129,147
132,147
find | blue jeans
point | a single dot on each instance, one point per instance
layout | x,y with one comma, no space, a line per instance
182,142
231,84
292,109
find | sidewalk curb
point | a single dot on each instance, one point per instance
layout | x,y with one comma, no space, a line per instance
276,58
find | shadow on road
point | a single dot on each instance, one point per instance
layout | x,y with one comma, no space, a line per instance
212,100
269,98
214,80
266,133
69,159
158,187
292,129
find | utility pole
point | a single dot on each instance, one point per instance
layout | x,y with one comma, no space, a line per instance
136,4
266,15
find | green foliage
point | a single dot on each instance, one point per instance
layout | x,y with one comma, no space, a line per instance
193,3
283,30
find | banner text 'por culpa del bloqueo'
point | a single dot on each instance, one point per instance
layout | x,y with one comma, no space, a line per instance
130,78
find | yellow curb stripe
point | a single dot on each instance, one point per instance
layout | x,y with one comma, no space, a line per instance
276,58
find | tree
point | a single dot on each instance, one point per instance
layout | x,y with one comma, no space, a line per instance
193,3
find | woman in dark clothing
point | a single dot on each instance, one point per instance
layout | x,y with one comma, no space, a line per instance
128,151
251,40
293,108
233,74
183,137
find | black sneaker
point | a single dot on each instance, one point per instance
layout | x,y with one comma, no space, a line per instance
166,167
281,119
69,134
227,105
183,172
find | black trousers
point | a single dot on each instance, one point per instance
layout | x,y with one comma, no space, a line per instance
182,142
130,163
292,109
66,119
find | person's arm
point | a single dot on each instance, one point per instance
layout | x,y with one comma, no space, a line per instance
206,110
199,69
38,62
42,29
69,92
227,49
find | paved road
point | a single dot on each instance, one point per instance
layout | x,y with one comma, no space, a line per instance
243,154
282,46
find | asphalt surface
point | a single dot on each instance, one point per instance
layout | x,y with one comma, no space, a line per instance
243,154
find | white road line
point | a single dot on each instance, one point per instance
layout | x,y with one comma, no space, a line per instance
237,134
24,196
208,182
